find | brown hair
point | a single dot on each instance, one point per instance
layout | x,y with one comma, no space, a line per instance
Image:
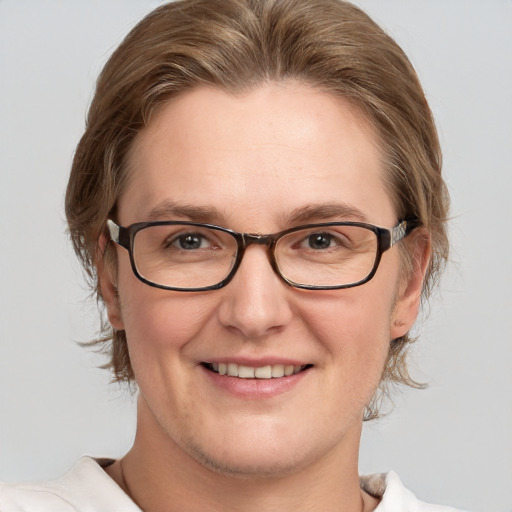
235,45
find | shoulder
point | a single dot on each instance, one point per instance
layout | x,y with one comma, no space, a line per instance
28,498
85,487
395,497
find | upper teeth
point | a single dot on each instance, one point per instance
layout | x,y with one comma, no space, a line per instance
262,372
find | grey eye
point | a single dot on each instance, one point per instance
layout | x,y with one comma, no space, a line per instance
189,242
319,241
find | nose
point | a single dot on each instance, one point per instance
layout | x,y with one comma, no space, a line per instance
256,302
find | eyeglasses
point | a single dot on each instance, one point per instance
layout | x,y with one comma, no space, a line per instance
192,257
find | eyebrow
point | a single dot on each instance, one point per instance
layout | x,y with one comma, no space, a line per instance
325,212
171,210
209,214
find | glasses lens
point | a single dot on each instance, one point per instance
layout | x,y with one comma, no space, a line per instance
183,256
327,255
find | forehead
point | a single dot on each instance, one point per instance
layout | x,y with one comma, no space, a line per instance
259,155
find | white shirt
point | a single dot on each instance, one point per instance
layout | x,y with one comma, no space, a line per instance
87,488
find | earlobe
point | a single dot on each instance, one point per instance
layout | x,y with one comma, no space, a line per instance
108,284
409,294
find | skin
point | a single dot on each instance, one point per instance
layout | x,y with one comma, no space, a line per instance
252,160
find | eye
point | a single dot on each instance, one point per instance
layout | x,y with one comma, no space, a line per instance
188,242
318,241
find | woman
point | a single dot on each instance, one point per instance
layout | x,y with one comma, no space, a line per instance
259,203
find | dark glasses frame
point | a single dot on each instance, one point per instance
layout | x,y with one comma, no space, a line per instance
386,238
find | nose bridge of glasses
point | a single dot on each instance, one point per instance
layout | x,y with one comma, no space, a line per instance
257,239
254,238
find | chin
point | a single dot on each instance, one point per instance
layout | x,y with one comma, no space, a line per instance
251,468
250,460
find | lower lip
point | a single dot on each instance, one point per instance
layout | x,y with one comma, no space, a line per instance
255,389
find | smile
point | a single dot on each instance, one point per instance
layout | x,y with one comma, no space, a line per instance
274,371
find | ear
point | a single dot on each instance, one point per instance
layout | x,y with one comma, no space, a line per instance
409,293
107,280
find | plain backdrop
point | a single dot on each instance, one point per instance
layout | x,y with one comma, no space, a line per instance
451,443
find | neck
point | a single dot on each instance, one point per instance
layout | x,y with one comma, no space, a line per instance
160,476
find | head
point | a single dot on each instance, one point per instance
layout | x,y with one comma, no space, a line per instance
238,46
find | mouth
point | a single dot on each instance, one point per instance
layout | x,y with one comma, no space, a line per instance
274,371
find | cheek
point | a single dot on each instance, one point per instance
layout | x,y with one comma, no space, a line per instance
161,320
158,321
354,328
160,329
354,336
353,319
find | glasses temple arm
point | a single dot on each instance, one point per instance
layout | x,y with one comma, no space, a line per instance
402,230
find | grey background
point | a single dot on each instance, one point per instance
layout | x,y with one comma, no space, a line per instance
451,443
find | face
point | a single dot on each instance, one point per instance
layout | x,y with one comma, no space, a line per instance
279,156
